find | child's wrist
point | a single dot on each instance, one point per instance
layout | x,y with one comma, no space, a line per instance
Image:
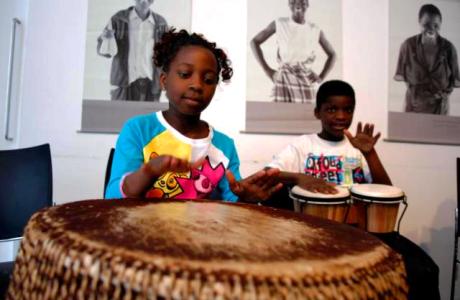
369,153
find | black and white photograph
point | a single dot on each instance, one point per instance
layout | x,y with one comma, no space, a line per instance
292,47
120,77
424,83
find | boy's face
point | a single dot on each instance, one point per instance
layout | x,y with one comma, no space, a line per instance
191,80
336,114
430,25
143,4
298,8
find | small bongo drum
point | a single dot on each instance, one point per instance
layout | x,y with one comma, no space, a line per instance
377,206
152,249
329,206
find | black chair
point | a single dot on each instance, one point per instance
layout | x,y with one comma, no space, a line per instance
456,261
108,170
26,187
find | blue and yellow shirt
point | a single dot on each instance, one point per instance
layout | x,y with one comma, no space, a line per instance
147,136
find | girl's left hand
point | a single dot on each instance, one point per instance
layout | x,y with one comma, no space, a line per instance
364,140
257,187
314,78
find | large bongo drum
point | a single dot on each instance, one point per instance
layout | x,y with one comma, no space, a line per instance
330,206
377,206
138,249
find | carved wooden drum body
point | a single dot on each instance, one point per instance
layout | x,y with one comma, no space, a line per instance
330,206
138,249
377,206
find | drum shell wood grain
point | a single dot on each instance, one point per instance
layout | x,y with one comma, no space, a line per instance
377,206
333,207
335,212
376,217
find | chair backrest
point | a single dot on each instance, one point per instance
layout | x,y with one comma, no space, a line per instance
108,170
26,185
457,223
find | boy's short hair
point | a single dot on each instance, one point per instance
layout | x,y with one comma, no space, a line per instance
429,9
334,88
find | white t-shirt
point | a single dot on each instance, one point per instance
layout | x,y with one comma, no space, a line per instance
296,42
337,162
140,63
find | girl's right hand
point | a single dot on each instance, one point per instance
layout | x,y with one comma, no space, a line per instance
161,164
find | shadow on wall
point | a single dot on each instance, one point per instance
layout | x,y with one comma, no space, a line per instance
439,244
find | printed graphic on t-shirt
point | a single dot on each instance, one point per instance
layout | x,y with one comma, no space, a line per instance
338,169
196,184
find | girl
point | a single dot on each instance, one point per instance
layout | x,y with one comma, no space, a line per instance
173,153
297,40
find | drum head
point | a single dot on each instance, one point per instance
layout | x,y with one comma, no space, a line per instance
377,192
300,194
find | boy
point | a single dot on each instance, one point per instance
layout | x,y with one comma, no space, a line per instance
317,162
429,66
129,38
297,41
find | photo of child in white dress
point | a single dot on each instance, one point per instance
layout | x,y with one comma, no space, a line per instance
292,47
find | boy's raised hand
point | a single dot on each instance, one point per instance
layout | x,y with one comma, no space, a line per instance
257,187
364,140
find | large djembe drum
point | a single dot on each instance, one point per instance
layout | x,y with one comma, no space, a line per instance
137,249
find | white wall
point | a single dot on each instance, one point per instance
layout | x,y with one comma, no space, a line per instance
53,89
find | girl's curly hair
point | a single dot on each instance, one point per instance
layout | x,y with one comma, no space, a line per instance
171,42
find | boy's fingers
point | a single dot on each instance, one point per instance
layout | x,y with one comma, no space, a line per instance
377,136
330,190
360,128
366,129
371,130
347,134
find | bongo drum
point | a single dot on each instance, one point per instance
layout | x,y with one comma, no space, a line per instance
330,206
377,206
152,249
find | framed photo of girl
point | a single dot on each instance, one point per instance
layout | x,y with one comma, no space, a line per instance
120,79
424,83
293,46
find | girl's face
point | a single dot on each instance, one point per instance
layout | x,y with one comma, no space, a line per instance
430,25
298,9
191,80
